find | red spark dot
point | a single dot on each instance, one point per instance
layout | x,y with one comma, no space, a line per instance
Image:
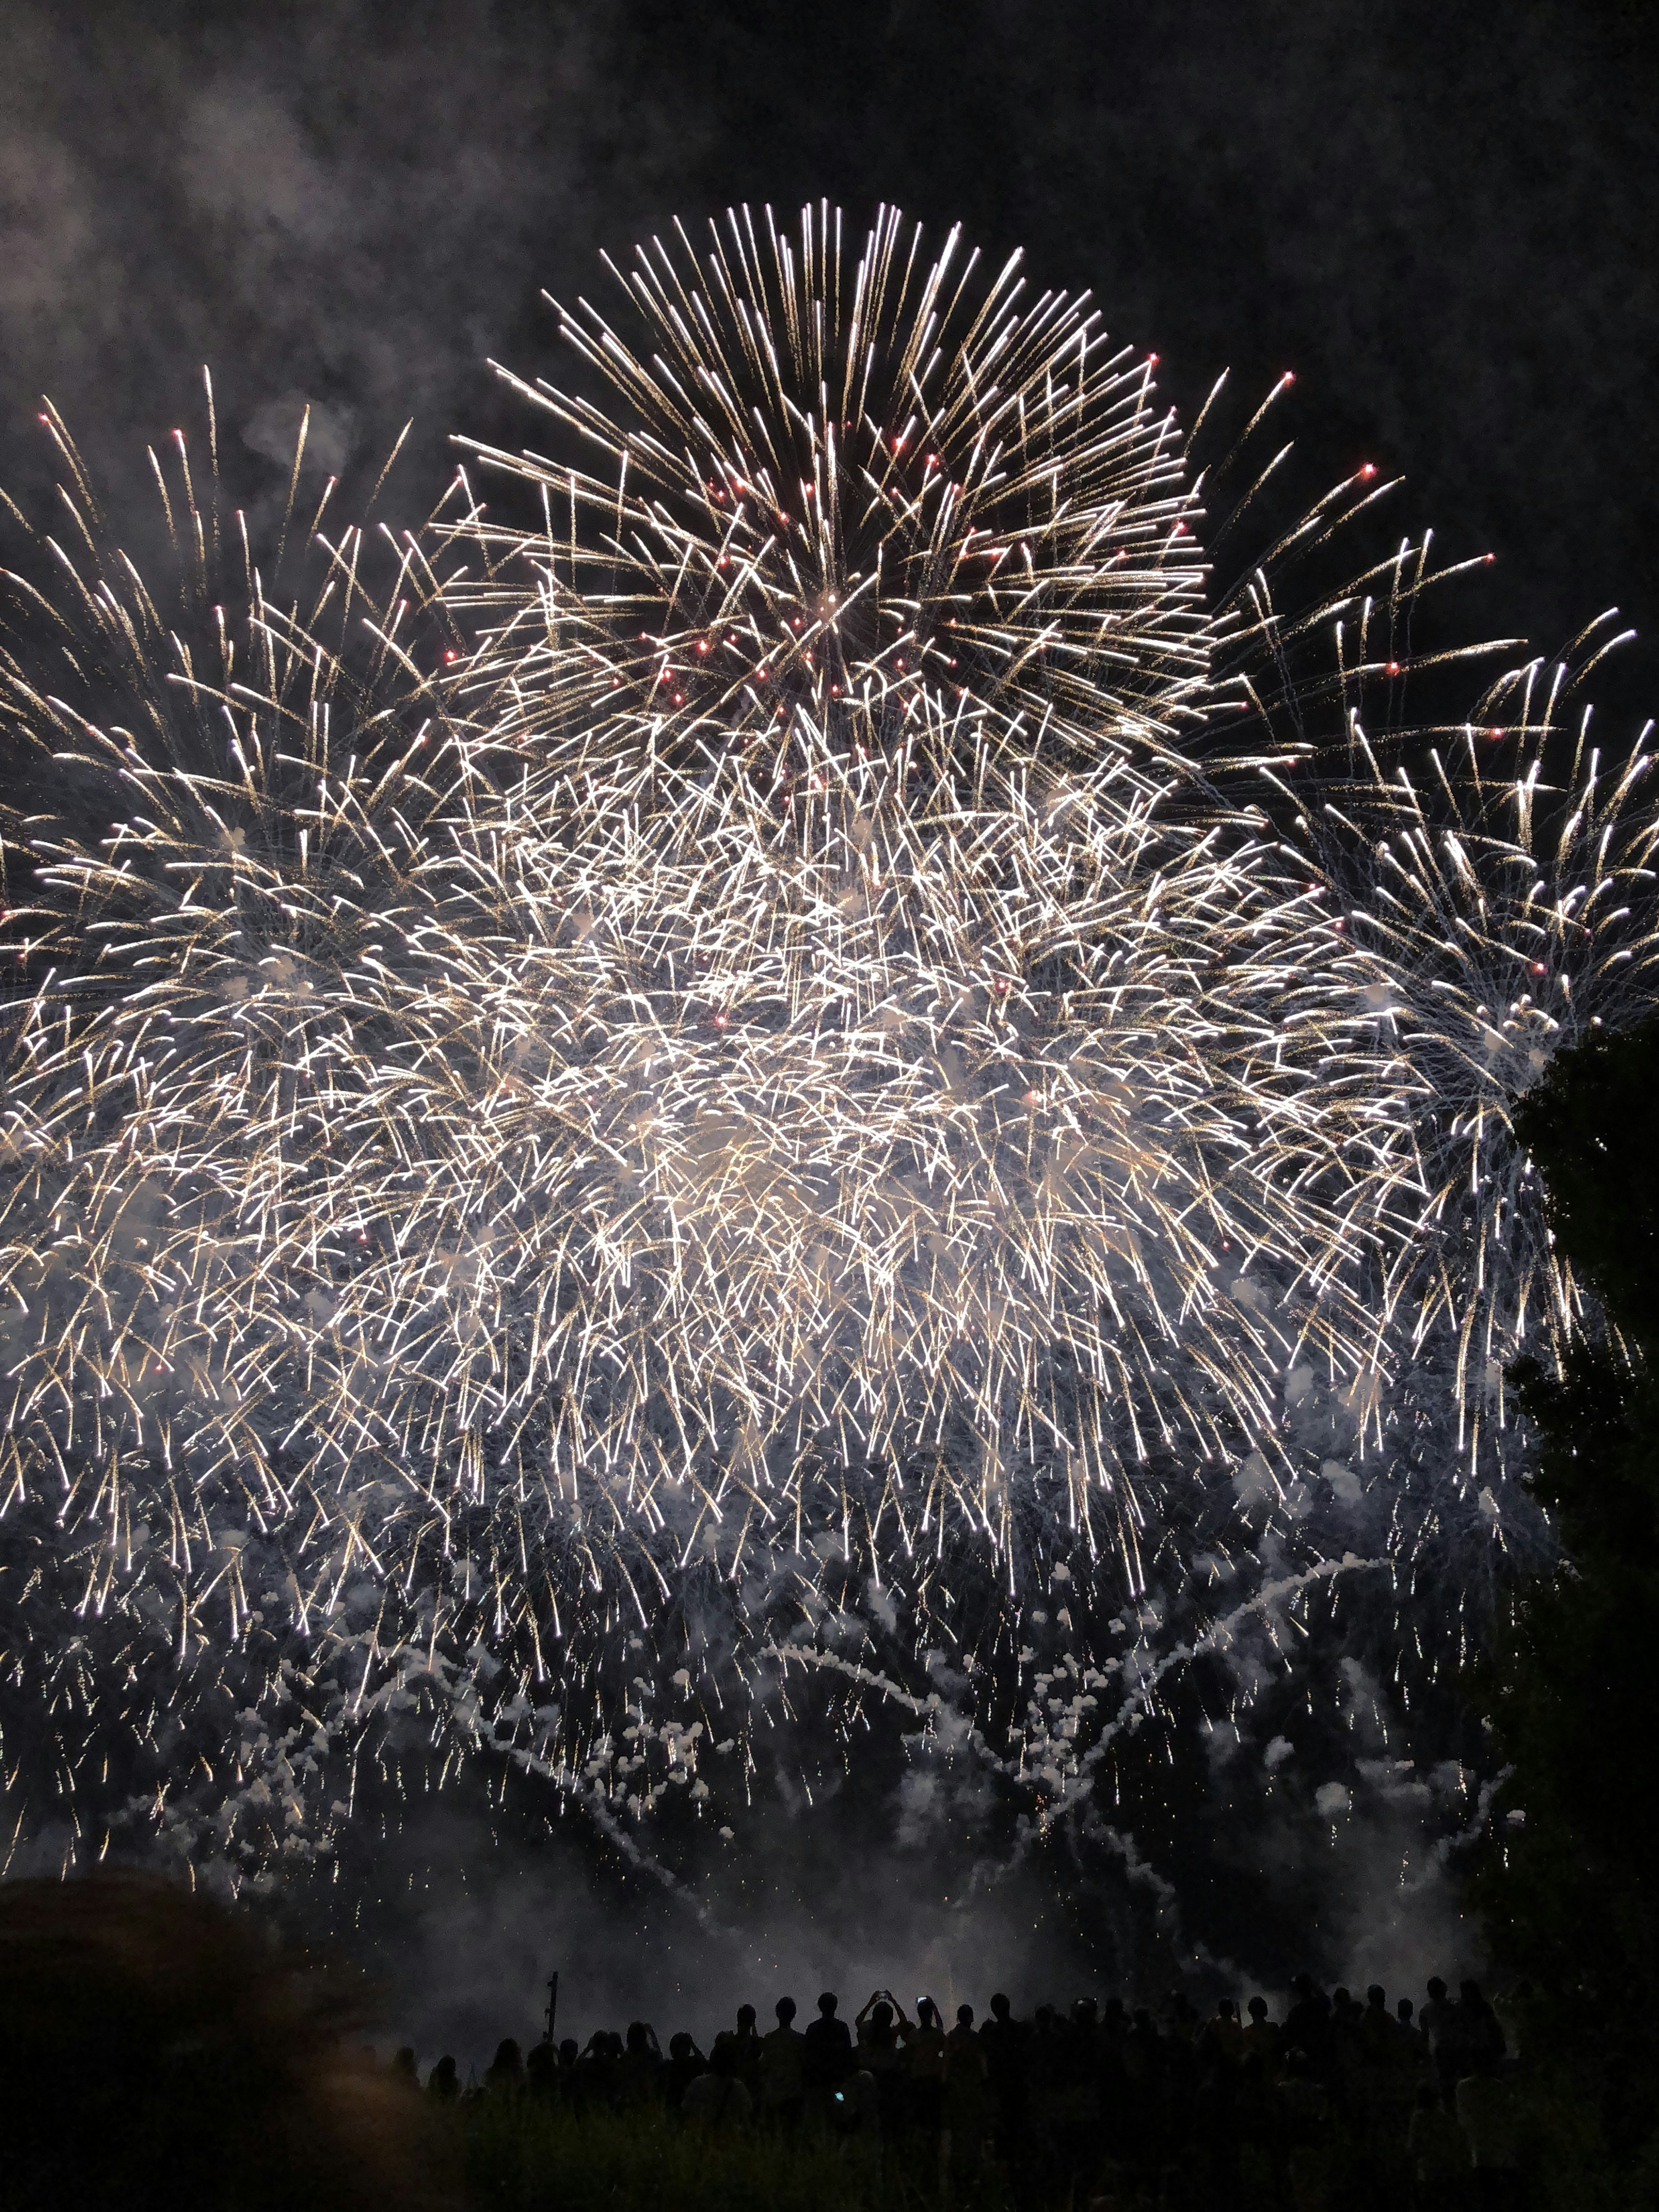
1289,377
451,654
702,645
1151,360
1394,668
1489,557
1539,968
1494,734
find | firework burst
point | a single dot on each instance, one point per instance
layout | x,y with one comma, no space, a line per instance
824,1040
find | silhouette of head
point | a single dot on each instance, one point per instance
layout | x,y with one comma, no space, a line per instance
1226,2010
784,2009
569,2051
964,2015
827,2004
403,2063
1378,1997
745,2019
1404,2010
1001,2006
639,2037
1438,1989
926,2014
1257,2009
680,2046
881,2020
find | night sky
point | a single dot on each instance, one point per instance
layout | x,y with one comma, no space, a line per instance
1442,219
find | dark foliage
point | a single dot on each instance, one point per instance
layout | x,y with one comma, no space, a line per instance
1570,1886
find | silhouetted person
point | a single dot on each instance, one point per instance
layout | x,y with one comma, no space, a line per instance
1307,2024
782,2071
443,2082
686,2062
504,2075
925,2055
881,2057
1223,2038
1438,2021
1481,2039
639,2070
828,2055
1261,2039
596,2069
541,2072
744,2045
717,2099
404,2068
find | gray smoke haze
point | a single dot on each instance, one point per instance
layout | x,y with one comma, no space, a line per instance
319,204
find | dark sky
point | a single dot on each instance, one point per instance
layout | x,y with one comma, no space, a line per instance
1443,218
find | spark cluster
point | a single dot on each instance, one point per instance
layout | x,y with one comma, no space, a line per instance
803,1034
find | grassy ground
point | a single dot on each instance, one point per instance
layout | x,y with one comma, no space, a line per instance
523,2156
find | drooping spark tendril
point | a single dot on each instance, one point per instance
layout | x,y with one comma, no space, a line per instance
827,1039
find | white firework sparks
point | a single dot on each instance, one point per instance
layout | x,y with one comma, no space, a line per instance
788,1053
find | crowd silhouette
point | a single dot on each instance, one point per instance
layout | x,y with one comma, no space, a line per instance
1344,2101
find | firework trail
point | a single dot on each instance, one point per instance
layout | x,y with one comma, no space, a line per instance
817,1041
